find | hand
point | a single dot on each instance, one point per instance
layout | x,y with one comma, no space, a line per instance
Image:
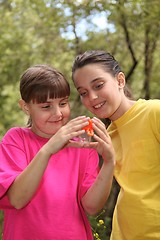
103,143
67,132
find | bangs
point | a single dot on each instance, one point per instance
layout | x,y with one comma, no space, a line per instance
40,82
52,91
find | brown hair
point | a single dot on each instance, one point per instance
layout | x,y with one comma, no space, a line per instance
39,82
103,58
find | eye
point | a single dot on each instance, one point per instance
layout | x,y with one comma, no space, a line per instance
83,94
46,106
99,85
63,103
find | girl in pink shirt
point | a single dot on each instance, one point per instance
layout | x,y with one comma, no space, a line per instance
48,181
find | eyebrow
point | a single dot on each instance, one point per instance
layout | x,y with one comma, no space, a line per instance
94,80
64,98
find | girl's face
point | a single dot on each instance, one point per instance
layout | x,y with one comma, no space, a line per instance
49,117
100,92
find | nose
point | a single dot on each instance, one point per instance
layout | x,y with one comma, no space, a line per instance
56,111
93,95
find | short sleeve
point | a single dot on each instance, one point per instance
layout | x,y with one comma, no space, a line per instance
11,166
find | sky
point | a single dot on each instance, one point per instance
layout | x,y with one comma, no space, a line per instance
100,20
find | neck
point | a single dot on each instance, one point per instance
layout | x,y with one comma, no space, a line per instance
125,105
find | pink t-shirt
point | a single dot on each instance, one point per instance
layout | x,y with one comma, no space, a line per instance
55,212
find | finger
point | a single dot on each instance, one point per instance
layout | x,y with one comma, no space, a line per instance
79,119
77,144
98,121
90,145
102,133
77,124
99,124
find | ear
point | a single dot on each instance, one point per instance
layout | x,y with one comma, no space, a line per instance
24,106
121,79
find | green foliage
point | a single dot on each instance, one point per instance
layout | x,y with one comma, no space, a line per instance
54,31
101,226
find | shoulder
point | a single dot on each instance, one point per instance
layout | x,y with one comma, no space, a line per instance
14,135
149,108
153,107
152,112
149,104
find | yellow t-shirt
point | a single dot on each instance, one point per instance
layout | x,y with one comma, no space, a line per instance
136,139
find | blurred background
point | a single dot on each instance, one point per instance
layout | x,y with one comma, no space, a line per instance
54,32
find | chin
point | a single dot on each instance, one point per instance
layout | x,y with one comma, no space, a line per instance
99,114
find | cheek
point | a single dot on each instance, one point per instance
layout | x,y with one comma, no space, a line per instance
84,101
67,112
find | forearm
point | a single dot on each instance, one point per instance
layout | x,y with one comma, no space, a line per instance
25,185
95,198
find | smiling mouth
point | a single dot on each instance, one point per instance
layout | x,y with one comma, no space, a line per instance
56,121
99,105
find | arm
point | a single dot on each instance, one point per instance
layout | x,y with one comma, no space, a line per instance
95,198
25,185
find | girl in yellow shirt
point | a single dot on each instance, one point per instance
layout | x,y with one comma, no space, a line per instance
135,132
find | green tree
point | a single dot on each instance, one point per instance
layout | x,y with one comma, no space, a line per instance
54,31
